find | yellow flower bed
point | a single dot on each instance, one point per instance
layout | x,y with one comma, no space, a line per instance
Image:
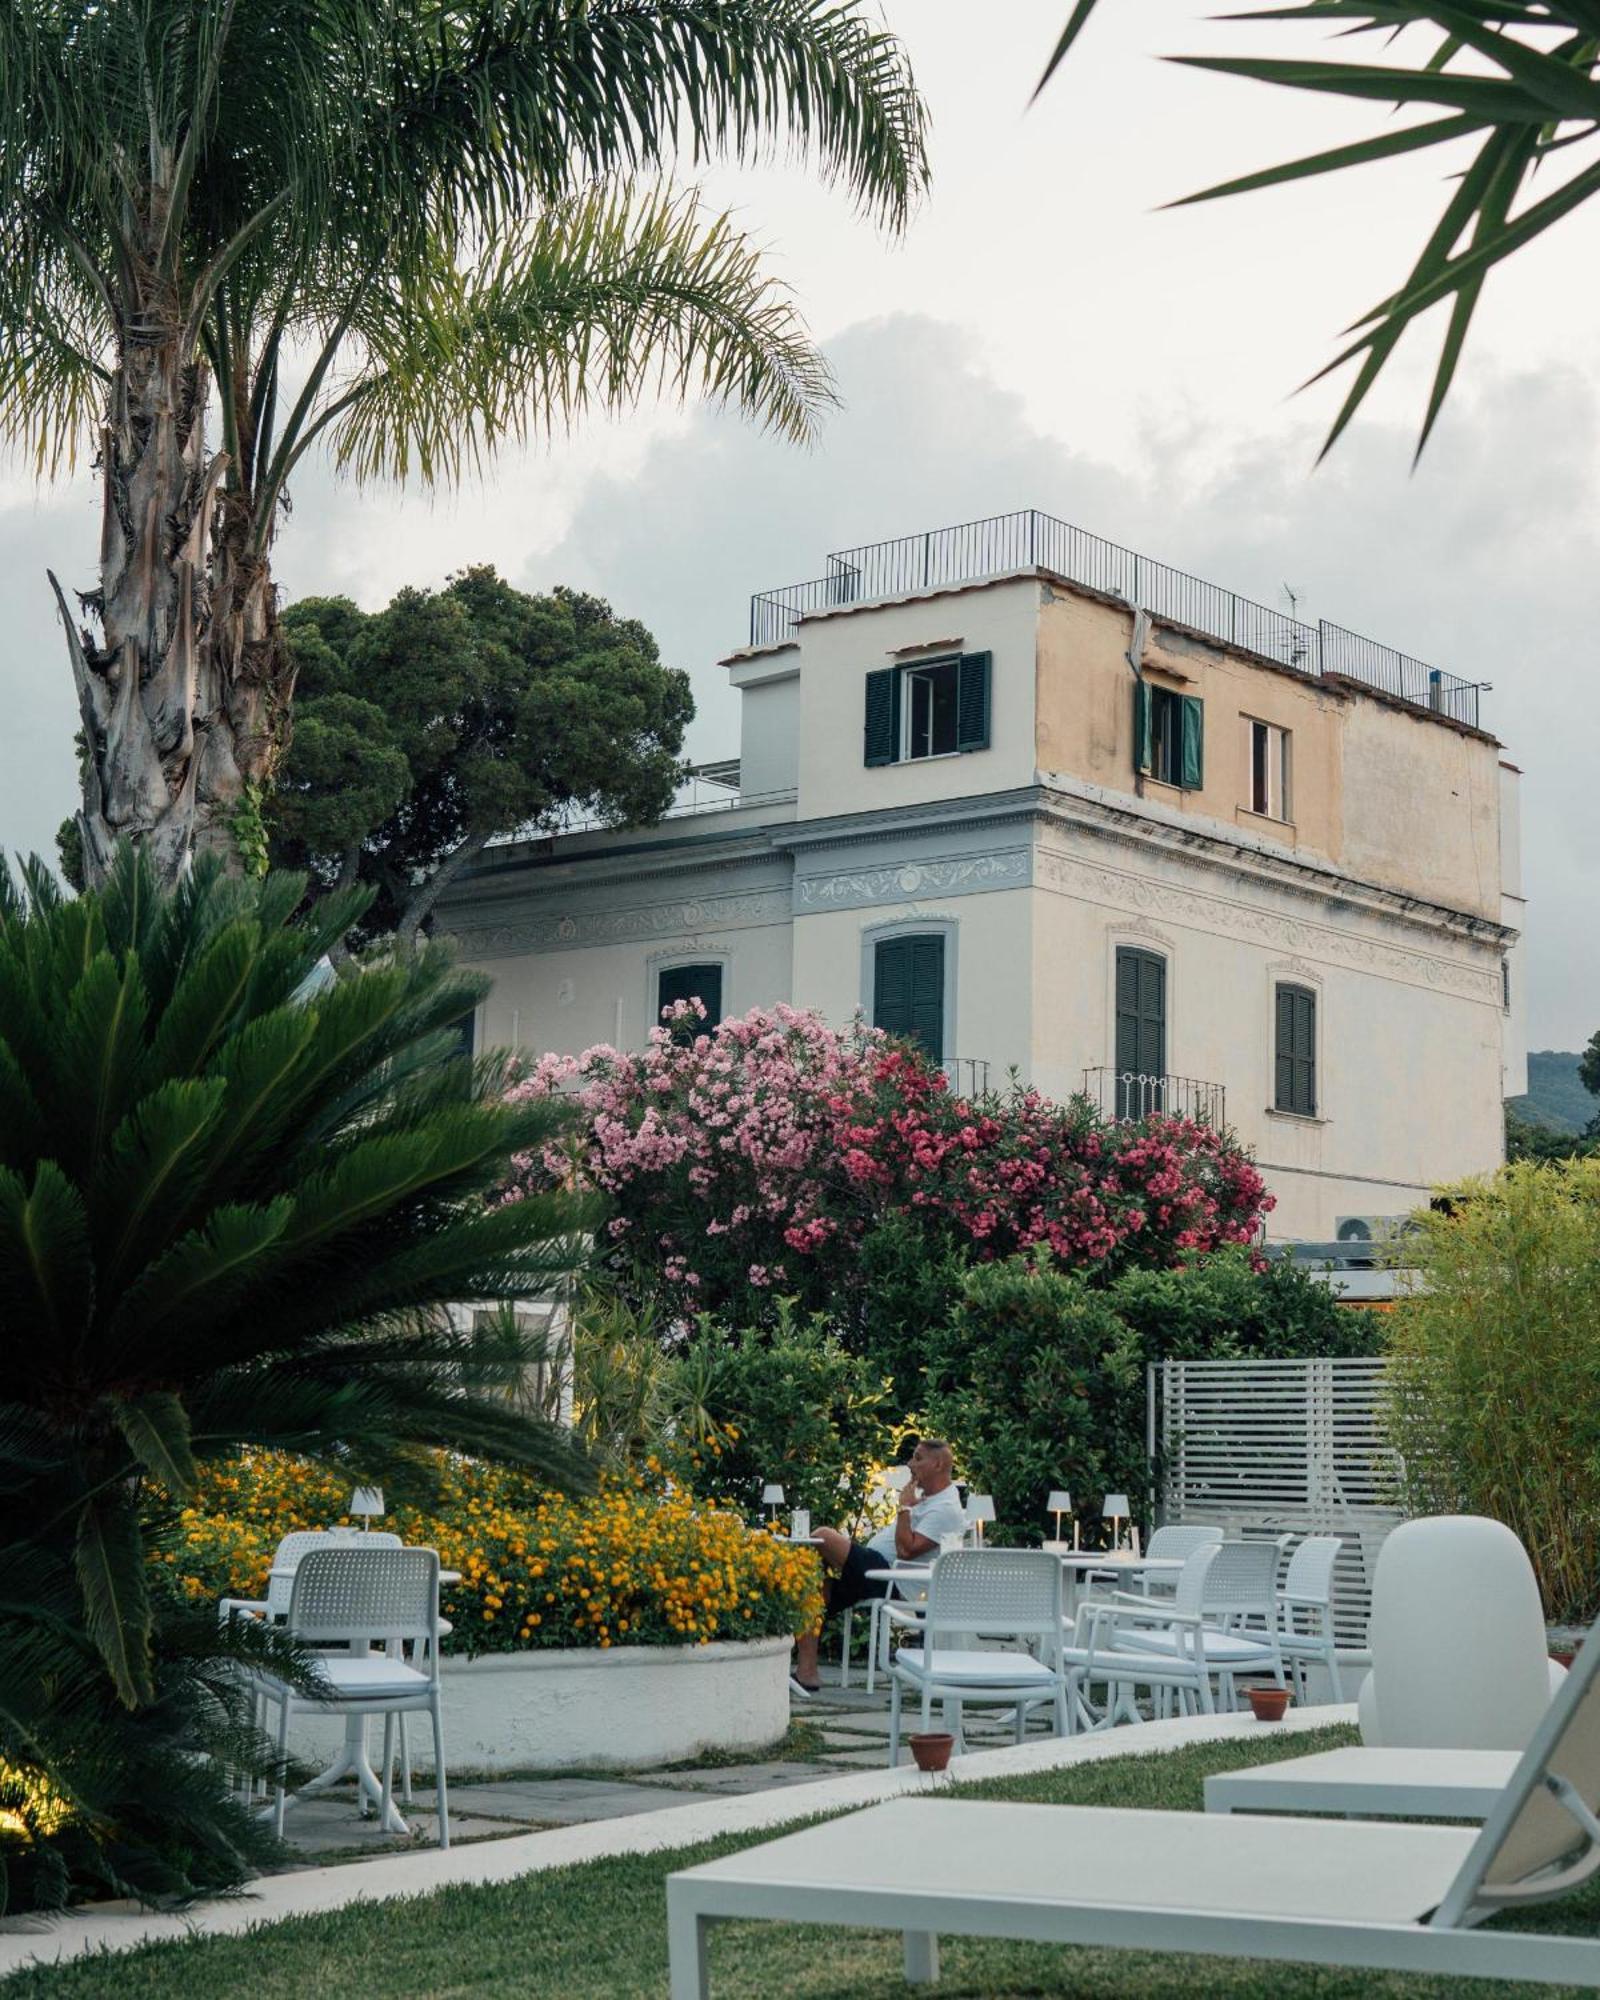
631,1567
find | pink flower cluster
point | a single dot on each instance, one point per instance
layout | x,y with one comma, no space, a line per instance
758,1155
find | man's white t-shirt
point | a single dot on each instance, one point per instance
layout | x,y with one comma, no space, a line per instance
935,1515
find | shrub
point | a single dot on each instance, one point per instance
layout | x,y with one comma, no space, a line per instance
1037,1383
753,1162
1227,1304
1495,1361
633,1566
234,1201
792,1407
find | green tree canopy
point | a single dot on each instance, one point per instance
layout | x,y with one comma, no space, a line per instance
426,729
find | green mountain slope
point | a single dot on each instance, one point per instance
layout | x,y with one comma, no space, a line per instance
1555,1096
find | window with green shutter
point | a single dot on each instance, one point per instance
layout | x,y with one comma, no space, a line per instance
1141,1031
908,990
931,708
691,982
1294,1079
1169,735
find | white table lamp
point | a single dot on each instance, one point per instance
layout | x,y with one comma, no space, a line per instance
980,1510
1059,1503
1115,1508
772,1500
366,1504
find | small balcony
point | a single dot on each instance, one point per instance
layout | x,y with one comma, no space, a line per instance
967,1076
1125,1096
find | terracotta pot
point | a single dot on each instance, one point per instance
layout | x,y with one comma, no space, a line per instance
932,1752
1268,1703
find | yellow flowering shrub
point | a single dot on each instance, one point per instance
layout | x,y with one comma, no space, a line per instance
633,1566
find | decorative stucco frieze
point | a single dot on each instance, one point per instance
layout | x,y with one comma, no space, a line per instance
1188,904
913,881
553,928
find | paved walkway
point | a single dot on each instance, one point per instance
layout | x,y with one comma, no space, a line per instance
836,1731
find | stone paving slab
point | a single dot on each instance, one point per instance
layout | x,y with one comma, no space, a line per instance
319,1828
559,1801
739,1778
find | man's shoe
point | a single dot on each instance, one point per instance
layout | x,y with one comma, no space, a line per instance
798,1686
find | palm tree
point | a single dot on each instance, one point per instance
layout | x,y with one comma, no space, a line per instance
234,1203
403,230
1519,78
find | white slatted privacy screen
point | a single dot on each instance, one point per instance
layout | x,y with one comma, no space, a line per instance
1280,1447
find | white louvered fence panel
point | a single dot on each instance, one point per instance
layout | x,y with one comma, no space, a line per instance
1281,1447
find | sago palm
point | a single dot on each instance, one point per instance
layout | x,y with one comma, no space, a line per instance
1518,79
404,230
233,1209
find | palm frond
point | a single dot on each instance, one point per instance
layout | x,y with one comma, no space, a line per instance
1539,97
600,301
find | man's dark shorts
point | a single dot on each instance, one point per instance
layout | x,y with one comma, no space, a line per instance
853,1585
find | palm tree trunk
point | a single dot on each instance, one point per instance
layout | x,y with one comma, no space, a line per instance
184,698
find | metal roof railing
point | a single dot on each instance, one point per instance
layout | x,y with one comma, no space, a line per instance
1004,543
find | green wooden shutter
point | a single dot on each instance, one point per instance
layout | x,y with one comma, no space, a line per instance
1294,1080
908,990
883,716
1143,726
1194,741
972,702
1141,1027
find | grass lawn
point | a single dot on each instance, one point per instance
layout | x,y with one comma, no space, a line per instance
600,1929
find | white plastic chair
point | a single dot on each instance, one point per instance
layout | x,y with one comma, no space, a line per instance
285,1558
976,1593
362,1597
1106,1648
1240,1606
1305,1608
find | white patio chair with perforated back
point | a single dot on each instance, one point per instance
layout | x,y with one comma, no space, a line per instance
1012,1594
1100,1655
1174,1543
1240,1630
378,1603
1305,1613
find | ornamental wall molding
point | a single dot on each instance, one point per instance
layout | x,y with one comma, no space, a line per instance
914,881
1194,908
557,929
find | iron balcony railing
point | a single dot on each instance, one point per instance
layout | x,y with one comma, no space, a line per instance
967,1076
1031,540
1127,1095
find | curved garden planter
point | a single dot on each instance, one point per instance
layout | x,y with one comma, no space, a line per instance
555,1710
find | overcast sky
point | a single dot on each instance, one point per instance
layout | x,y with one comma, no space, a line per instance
1046,337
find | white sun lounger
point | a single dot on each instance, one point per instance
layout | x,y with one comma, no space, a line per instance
1312,1891
1378,1783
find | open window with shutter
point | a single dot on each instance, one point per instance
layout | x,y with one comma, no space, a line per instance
1141,1032
931,708
691,982
1169,735
1294,1070
908,990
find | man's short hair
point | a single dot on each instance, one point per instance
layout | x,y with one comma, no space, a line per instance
937,1446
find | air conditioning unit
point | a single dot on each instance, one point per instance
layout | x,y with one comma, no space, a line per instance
1368,1228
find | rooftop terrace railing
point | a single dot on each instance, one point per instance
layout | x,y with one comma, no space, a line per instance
1030,540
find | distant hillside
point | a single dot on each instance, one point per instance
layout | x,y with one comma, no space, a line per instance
1555,1096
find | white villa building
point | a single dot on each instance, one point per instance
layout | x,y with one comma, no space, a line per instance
1057,810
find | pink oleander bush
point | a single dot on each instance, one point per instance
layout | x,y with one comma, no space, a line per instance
756,1161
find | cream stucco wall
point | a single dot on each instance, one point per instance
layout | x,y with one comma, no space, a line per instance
1408,1022
838,650
1389,795
989,942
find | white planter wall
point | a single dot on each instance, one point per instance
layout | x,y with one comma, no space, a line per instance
627,1706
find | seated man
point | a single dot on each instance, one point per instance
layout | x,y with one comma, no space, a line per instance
930,1508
